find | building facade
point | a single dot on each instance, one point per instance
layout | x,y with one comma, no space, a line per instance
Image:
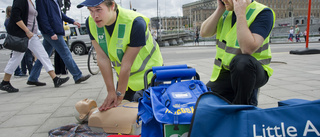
288,12
169,23
198,11
293,8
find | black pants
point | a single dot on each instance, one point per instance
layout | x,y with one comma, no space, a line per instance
27,62
133,95
238,85
59,66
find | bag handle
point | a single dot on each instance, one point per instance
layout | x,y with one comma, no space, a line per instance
34,21
171,70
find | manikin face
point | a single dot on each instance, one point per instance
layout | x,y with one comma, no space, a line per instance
228,4
103,15
84,107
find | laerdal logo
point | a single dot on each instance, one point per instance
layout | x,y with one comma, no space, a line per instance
285,131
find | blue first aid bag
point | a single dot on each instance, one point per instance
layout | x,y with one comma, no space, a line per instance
169,103
215,117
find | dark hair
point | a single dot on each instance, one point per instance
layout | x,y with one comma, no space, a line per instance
8,11
109,4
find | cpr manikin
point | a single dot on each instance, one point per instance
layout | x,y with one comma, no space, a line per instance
121,119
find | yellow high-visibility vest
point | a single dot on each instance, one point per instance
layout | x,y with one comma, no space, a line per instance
115,46
228,46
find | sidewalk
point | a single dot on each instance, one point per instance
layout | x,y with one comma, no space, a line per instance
34,111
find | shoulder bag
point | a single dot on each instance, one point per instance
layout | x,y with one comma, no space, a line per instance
16,43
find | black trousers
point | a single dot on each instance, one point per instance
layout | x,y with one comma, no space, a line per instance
133,95
59,66
238,85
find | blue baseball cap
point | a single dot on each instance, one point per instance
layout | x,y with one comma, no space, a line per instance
90,3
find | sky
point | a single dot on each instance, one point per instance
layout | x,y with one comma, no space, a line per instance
146,7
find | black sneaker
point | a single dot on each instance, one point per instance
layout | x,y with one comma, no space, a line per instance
83,78
9,88
59,81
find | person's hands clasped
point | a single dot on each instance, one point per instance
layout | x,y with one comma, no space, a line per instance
240,7
29,34
112,100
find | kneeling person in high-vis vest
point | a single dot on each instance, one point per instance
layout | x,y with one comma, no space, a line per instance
121,37
243,56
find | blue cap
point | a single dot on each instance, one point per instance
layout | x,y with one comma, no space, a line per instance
90,3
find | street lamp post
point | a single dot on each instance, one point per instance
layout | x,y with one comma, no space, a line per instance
157,17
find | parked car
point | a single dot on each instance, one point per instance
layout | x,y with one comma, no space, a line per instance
79,41
3,36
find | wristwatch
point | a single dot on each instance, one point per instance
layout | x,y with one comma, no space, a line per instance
119,94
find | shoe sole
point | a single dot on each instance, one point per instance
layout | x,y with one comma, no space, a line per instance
78,82
28,83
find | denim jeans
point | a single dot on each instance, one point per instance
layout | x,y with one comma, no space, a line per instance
61,47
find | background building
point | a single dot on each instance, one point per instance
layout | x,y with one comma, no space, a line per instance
198,11
288,12
294,12
170,23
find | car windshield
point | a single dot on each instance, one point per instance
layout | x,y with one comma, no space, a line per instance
73,31
83,30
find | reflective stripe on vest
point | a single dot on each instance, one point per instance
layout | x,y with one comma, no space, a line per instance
236,51
263,62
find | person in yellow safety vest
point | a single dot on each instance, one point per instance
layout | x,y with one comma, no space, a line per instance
243,56
121,37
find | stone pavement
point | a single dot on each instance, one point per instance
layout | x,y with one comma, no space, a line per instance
34,111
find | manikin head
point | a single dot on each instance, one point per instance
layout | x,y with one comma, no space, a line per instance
83,108
103,12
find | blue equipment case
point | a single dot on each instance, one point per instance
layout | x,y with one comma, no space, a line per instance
169,100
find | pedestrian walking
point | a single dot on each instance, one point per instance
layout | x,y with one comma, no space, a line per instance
290,37
51,26
23,23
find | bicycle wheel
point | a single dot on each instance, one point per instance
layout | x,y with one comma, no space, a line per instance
92,62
